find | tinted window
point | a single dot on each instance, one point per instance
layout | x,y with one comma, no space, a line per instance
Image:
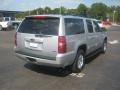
97,28
89,26
46,26
74,26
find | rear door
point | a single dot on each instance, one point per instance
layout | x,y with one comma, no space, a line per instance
91,36
75,33
38,37
99,34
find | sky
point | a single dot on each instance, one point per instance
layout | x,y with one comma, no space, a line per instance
24,5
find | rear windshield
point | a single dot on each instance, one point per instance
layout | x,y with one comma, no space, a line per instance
45,26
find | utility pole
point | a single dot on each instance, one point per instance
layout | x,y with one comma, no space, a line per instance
114,16
29,12
37,12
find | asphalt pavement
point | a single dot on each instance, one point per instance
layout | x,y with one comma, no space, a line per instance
102,72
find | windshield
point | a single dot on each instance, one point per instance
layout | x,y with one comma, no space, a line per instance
6,18
46,26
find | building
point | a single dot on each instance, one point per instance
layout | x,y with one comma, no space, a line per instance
8,13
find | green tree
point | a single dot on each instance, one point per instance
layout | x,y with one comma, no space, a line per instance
56,11
82,10
33,12
40,11
62,10
98,10
47,10
114,12
72,11
117,14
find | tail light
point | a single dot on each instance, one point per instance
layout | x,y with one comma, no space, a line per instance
15,39
61,44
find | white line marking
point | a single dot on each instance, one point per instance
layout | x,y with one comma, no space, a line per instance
79,75
113,42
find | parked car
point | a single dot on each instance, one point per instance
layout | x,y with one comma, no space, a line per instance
16,23
59,41
7,22
107,23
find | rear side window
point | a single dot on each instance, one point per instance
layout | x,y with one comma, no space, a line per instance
40,25
89,26
74,26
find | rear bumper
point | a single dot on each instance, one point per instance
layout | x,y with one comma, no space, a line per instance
61,60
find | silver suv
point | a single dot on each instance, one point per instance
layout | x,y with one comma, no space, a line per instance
59,41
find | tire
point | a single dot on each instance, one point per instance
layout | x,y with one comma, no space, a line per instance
104,47
78,62
1,28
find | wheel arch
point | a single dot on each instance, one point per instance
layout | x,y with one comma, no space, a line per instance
83,47
105,39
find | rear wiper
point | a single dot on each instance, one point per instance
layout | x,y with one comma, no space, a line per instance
42,35
39,35
78,33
